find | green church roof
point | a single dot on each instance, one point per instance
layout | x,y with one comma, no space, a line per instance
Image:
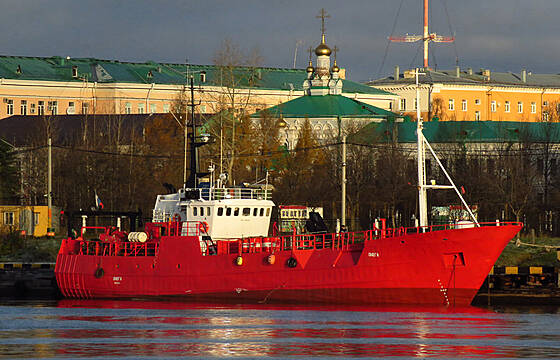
317,106
110,71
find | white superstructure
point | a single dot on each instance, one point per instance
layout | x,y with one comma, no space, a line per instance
227,212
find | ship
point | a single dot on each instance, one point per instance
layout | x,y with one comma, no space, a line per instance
212,243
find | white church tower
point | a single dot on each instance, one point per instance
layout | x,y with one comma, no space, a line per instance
323,80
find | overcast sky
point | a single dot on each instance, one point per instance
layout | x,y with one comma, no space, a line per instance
503,35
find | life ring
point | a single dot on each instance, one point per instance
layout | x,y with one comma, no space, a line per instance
176,217
271,259
292,262
204,227
99,273
239,260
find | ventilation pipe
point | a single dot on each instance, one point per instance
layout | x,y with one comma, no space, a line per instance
524,75
457,71
397,73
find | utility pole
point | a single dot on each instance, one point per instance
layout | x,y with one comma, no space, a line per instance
343,202
49,185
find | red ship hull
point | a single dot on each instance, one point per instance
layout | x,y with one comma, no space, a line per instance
445,267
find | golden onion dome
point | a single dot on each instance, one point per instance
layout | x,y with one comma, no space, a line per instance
335,67
323,49
310,67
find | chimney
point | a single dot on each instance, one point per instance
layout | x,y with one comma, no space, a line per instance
457,71
524,75
469,71
397,72
486,73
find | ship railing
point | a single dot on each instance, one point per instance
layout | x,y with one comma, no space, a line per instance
232,193
156,230
400,231
98,248
339,241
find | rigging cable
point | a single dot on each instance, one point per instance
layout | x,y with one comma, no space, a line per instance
389,41
444,2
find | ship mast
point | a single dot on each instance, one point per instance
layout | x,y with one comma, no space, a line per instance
422,143
426,37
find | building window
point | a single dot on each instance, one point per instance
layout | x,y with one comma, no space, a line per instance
451,104
506,106
520,107
141,108
203,76
23,107
477,115
464,105
127,108
32,108
85,108
71,108
41,108
153,108
165,108
53,107
403,104
8,218
10,107
35,218
533,107
493,106
477,101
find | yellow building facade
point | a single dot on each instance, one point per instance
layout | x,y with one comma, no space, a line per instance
28,220
47,86
468,96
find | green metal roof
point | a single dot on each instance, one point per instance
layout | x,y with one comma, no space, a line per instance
462,131
110,71
317,106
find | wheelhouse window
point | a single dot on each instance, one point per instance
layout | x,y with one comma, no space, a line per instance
262,212
246,211
255,211
236,212
267,211
195,211
220,211
228,212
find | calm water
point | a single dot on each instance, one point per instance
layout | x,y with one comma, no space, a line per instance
137,329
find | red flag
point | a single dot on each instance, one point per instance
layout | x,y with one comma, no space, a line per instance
462,190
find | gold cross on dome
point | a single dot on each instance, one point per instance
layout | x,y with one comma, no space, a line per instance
335,50
323,16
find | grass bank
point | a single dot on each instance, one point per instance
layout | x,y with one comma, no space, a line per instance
534,254
17,248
